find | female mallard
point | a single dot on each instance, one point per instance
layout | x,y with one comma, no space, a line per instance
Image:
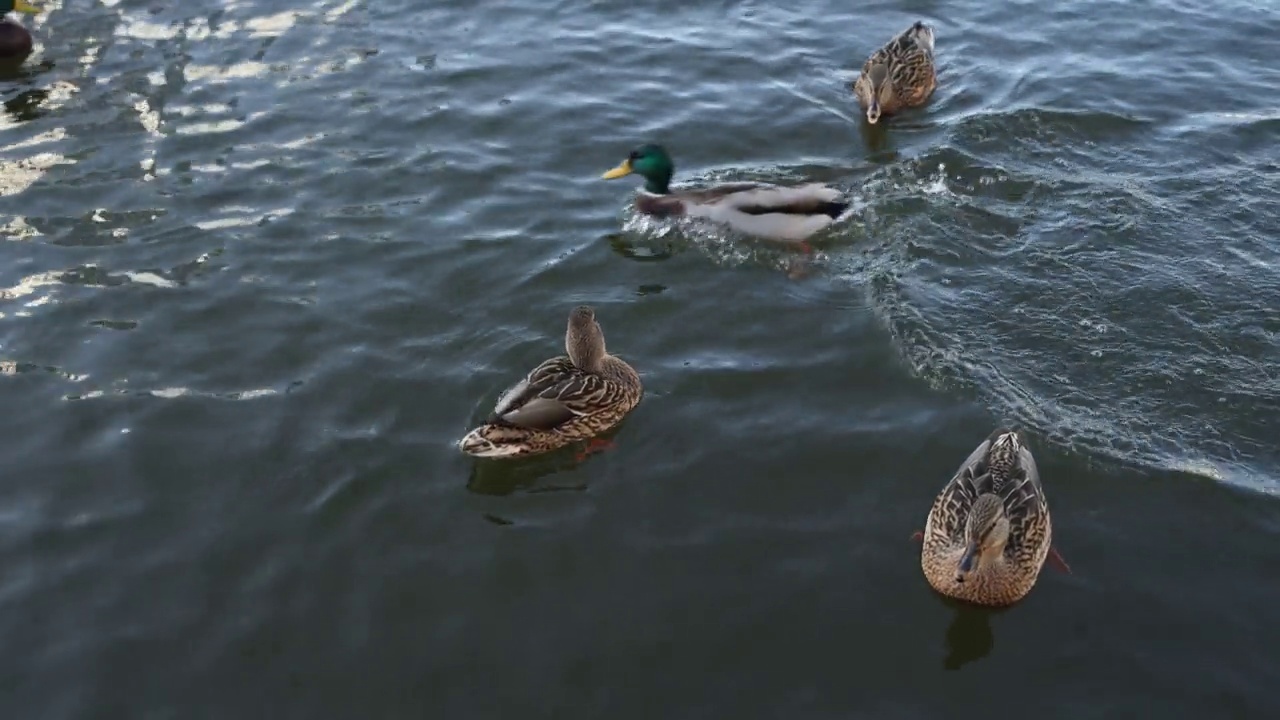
563,400
15,41
899,75
988,533
768,211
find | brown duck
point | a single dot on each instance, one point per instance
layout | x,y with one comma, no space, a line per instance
899,75
989,533
565,399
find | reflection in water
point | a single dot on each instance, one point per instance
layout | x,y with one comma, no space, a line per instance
620,244
969,635
794,259
18,71
11,69
504,477
876,138
26,105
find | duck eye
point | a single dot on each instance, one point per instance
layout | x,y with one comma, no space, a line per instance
634,155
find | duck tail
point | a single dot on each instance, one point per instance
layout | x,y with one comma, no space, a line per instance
832,208
1002,454
494,441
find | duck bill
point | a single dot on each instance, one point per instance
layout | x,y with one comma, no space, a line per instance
23,6
873,113
621,171
969,559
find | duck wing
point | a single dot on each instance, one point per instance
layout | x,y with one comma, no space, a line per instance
554,393
812,199
547,376
770,211
973,478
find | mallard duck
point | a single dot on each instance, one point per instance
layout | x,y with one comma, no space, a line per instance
899,75
768,211
565,399
15,41
988,533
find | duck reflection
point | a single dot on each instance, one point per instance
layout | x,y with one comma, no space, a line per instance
639,252
878,142
506,477
969,636
21,72
499,478
794,259
26,105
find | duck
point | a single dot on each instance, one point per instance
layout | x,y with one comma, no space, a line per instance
15,41
899,75
788,214
567,399
989,532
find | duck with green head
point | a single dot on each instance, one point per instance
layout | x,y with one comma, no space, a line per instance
15,41
989,533
899,75
768,211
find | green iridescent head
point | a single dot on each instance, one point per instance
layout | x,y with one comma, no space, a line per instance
22,6
650,162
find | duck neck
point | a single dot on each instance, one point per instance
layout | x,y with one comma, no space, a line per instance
658,184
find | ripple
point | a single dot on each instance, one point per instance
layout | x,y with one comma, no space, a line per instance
267,259
1100,311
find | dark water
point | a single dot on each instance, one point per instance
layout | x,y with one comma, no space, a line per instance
267,261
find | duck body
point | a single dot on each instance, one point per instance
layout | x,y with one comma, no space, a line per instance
563,400
772,212
901,74
791,214
15,40
989,531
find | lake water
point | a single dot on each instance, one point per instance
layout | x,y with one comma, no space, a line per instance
266,261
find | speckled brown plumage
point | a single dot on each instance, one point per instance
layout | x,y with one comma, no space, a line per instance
565,399
1002,467
901,74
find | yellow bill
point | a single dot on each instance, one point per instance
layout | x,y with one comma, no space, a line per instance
621,171
23,6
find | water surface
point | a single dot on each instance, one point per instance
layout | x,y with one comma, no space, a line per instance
266,261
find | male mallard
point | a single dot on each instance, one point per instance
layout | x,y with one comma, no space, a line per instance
563,400
898,75
768,211
988,533
15,41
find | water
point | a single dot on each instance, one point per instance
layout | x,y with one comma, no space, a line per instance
267,261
